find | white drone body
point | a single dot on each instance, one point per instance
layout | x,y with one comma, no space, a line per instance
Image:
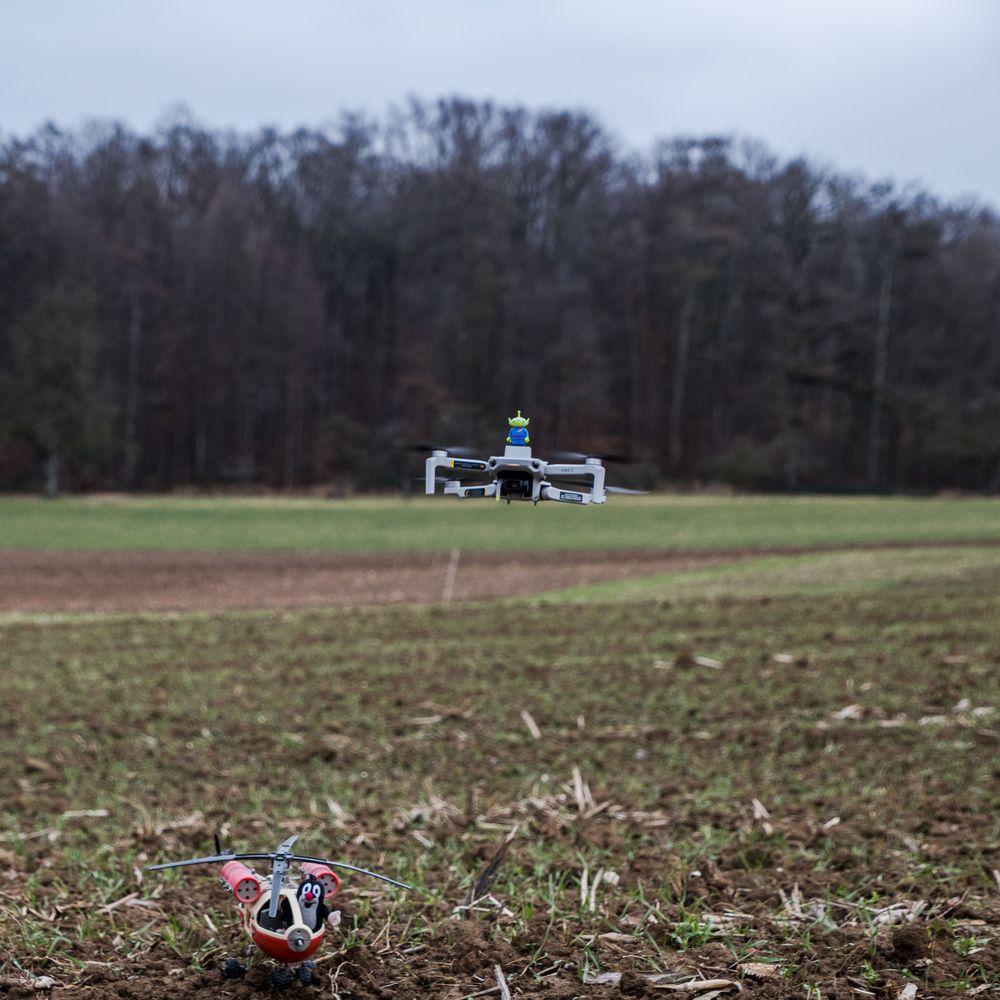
517,475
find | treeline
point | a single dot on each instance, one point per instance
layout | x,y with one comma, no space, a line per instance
201,308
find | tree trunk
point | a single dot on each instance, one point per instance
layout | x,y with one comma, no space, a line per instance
51,472
676,450
291,414
132,392
880,376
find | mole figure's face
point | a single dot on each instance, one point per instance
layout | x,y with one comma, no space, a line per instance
311,893
518,421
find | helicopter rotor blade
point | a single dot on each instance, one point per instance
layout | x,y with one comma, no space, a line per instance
286,846
279,860
352,868
212,859
626,492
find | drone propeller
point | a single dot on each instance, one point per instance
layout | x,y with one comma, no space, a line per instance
584,485
453,474
457,451
580,456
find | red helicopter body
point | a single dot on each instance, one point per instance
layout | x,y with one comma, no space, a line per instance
284,917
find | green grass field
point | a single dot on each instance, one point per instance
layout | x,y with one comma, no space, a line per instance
429,525
855,572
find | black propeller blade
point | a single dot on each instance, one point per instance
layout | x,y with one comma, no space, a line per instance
456,451
580,456
579,484
465,475
587,485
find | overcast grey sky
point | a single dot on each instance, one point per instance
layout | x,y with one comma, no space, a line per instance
908,89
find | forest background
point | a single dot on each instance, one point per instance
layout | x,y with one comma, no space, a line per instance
291,309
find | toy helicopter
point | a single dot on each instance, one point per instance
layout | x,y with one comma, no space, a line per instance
518,475
285,919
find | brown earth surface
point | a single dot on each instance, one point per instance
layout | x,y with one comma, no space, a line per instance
876,865
211,581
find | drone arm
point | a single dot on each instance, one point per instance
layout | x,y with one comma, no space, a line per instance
592,469
431,466
455,489
441,460
568,494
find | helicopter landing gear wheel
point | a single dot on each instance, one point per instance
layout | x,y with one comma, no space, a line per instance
305,972
281,977
233,968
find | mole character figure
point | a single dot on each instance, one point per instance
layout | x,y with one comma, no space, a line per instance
314,911
518,434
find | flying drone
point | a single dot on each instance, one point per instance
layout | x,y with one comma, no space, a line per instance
517,474
285,917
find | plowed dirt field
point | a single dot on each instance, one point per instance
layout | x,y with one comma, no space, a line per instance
207,581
